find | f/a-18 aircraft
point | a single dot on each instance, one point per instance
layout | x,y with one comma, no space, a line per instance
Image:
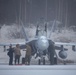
42,45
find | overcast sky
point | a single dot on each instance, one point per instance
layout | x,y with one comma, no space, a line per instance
32,11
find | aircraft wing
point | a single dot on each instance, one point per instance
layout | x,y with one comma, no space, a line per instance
13,44
22,44
65,44
60,45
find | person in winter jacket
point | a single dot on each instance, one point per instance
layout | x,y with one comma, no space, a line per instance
17,53
10,54
28,54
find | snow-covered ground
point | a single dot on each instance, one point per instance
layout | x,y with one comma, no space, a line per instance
64,36
38,70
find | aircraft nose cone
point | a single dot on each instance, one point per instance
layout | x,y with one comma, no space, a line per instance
42,44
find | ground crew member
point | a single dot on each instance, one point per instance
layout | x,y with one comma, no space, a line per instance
28,55
17,53
10,54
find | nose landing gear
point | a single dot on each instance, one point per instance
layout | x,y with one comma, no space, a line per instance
43,61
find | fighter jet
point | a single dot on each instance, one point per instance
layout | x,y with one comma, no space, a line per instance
43,45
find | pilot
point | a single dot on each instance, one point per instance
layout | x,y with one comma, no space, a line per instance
28,54
17,53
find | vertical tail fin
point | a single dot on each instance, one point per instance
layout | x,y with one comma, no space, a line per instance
37,31
52,28
45,28
24,32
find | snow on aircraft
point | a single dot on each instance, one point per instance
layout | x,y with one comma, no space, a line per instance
42,45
